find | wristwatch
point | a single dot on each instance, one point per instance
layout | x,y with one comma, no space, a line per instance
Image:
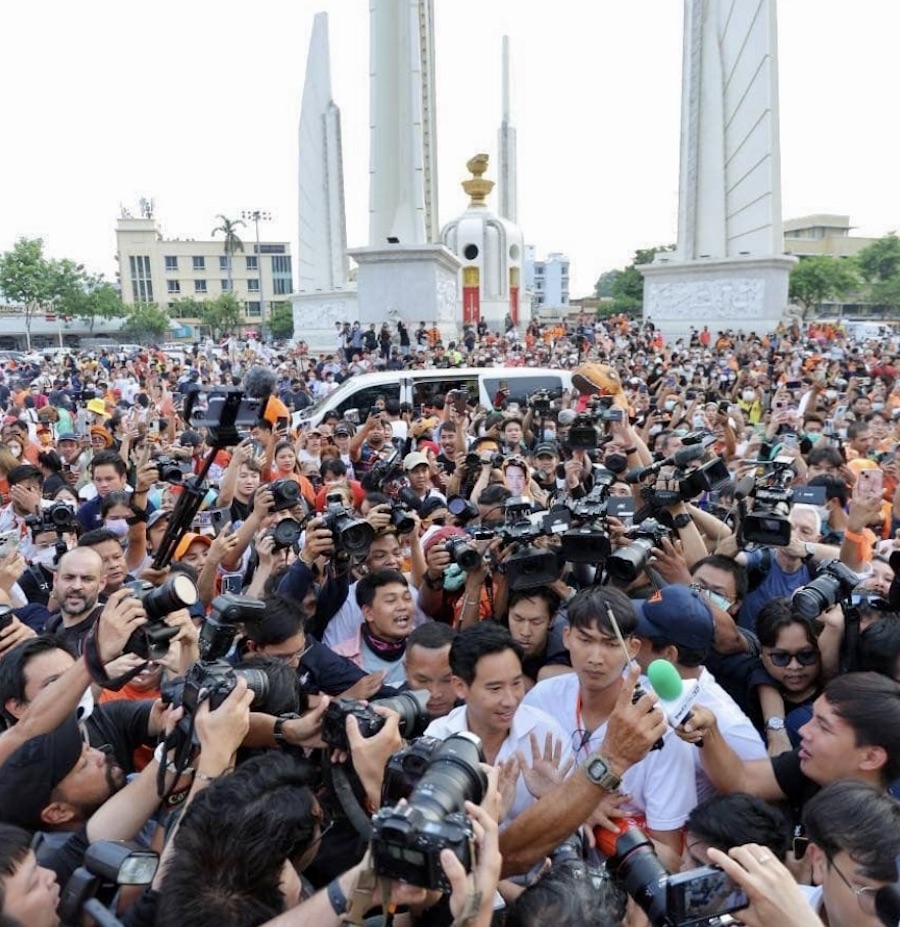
775,724
810,552
681,521
278,730
598,770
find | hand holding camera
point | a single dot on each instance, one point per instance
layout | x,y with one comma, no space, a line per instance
221,730
371,753
319,542
122,615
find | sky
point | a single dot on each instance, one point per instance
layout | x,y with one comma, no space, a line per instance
196,105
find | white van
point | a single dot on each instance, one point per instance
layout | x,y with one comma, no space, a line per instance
421,386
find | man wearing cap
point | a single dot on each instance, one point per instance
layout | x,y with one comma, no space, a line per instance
74,457
544,462
343,432
418,475
676,624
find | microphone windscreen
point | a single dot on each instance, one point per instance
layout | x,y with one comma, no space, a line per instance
685,455
566,417
259,382
744,487
665,680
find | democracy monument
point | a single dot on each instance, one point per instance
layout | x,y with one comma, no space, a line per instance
728,269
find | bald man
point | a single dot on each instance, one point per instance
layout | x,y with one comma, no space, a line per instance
76,589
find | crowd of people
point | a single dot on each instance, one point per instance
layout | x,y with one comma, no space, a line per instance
200,620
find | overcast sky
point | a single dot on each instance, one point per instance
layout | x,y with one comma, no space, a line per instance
196,104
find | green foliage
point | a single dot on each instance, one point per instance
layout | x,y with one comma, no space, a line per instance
186,308
603,289
94,298
626,286
822,278
880,261
220,315
281,321
146,323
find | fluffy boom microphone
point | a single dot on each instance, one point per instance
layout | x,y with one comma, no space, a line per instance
259,382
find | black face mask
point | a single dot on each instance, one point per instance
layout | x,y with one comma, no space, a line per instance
616,463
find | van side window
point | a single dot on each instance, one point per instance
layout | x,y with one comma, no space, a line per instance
428,390
364,399
521,388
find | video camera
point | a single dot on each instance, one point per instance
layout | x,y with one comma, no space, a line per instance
769,522
169,469
383,470
587,538
699,897
407,839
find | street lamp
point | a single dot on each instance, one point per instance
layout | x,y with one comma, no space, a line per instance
256,216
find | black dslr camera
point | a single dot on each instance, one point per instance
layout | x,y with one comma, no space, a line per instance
384,469
169,469
835,581
286,494
285,534
152,641
350,534
409,705
697,898
58,517
407,839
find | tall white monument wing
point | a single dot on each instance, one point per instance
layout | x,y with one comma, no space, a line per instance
506,138
322,262
403,131
730,190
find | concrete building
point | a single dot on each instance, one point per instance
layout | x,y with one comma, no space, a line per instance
160,270
822,233
547,280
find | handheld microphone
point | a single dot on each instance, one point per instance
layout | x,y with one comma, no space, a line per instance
744,487
675,697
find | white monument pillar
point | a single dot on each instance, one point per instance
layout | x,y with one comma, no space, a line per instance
324,294
506,145
729,269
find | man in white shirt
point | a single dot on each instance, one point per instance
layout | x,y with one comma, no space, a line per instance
486,664
660,788
676,625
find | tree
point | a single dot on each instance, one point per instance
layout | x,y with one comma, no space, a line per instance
232,243
281,321
603,289
146,323
879,263
822,278
185,308
94,298
627,286
220,315
29,278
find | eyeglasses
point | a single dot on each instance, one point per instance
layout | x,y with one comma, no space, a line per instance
783,658
865,894
290,657
326,822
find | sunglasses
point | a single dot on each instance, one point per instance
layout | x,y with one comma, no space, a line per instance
783,658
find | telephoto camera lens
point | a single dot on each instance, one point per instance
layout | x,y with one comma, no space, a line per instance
286,494
286,533
411,708
176,592
463,554
626,564
453,777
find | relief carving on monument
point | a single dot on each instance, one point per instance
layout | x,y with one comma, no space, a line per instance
447,300
706,299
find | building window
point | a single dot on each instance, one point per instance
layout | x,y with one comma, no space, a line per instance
199,286
199,262
281,286
227,285
223,262
174,286
172,262
141,280
253,309
281,264
252,262
253,286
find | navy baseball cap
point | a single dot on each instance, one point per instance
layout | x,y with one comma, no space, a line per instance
676,614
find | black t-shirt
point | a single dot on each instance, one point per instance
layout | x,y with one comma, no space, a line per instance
796,785
553,654
123,725
36,583
240,511
73,636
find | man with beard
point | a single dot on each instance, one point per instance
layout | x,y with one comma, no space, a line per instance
76,589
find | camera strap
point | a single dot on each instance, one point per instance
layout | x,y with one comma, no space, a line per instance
360,900
97,671
343,788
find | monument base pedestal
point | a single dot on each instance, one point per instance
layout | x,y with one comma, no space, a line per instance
317,311
746,293
415,283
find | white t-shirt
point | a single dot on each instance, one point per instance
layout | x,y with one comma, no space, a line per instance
526,720
735,726
662,786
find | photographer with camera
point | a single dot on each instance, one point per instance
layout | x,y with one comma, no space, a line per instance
26,501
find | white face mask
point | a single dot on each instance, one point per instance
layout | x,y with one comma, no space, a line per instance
15,449
748,395
45,557
118,526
